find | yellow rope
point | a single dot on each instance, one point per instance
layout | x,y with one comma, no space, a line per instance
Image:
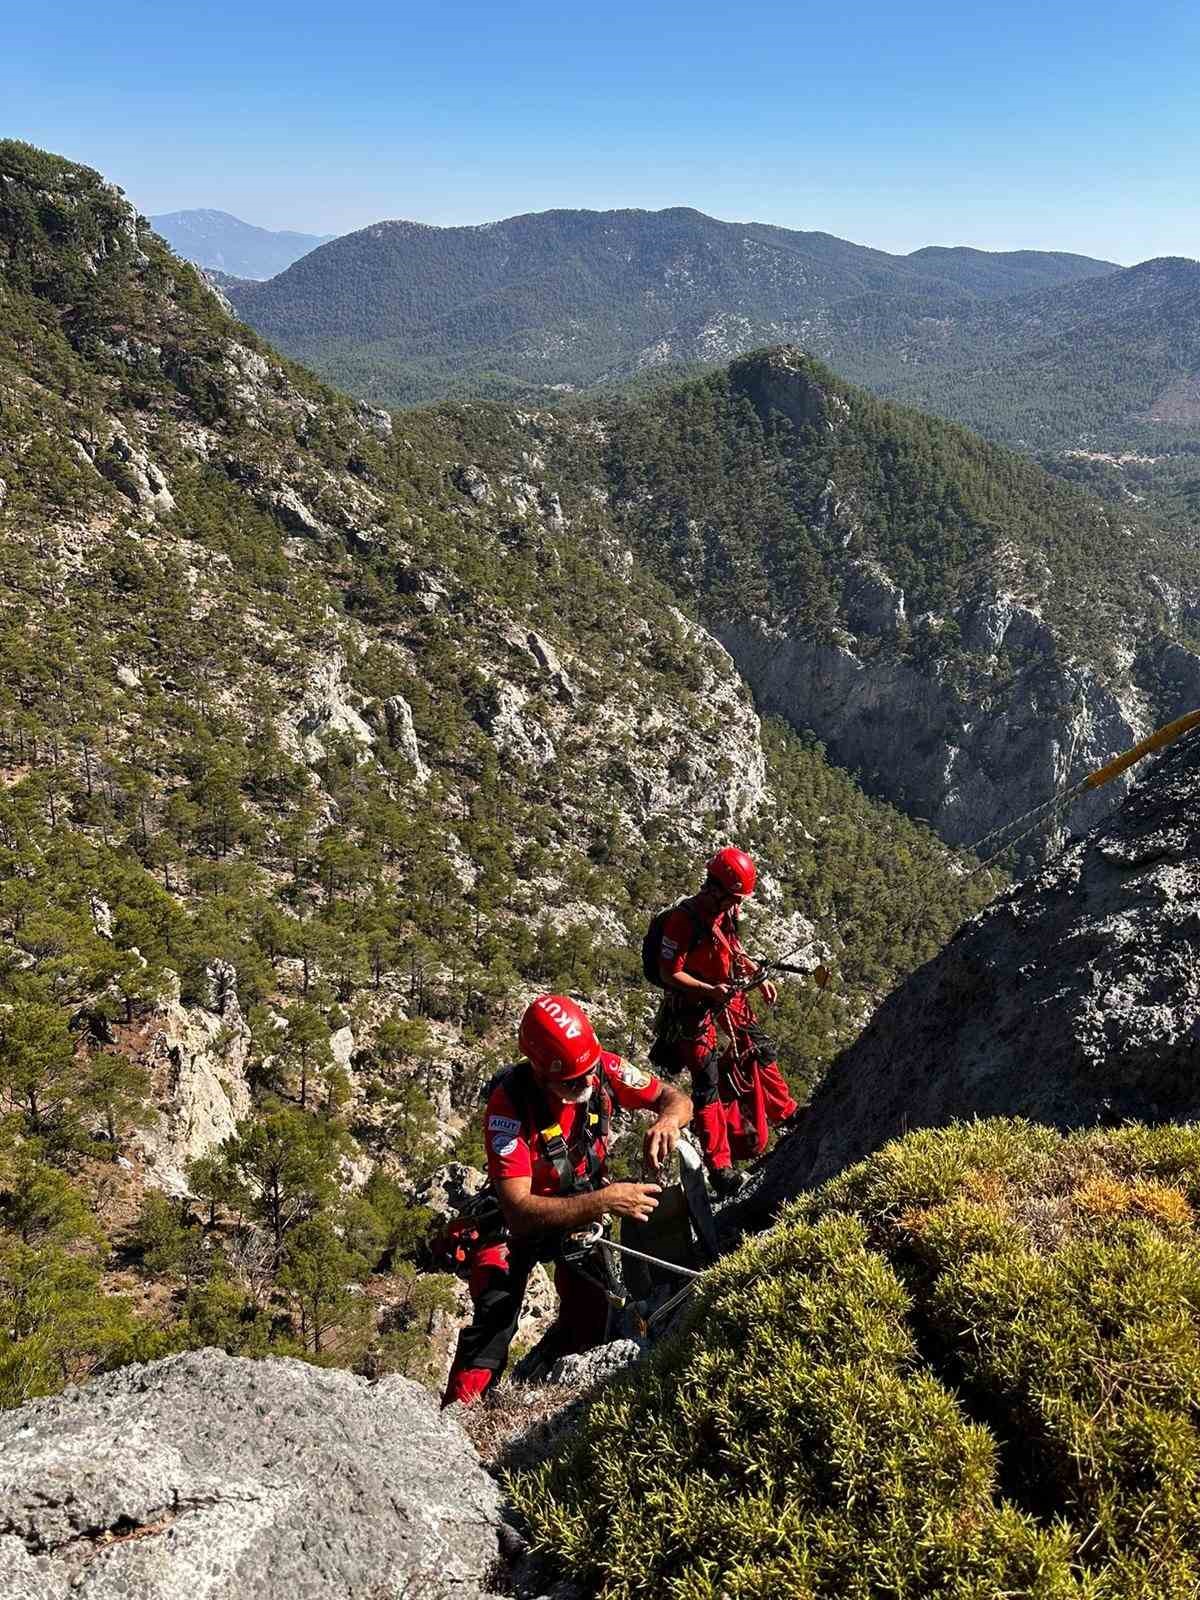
1158,740
1154,741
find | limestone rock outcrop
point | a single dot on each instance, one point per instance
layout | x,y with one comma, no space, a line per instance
402,734
197,1060
327,711
210,1475
1074,999
922,743
129,468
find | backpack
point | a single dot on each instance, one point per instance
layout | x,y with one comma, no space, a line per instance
455,1241
652,943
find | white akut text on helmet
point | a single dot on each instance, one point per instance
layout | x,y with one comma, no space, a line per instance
568,1023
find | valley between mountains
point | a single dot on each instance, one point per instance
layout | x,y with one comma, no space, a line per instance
330,734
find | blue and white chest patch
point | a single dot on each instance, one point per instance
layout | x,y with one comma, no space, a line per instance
503,1125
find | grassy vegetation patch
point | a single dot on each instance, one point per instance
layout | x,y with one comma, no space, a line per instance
966,1367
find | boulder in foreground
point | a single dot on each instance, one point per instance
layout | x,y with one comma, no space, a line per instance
210,1476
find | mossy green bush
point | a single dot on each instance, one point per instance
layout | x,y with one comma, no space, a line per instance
967,1367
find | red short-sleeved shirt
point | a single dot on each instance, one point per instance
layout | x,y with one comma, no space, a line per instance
514,1151
697,940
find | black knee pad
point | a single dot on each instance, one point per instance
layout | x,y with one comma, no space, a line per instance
706,1080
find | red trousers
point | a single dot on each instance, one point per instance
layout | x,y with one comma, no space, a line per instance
497,1283
748,1116
737,1092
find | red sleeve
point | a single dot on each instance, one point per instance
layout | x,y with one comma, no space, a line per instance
678,935
630,1087
504,1139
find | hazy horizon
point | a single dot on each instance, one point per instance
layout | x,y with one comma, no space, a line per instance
1024,128
489,222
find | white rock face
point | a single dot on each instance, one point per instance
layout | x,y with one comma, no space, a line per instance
295,515
544,653
341,1047
326,710
473,481
128,467
197,1061
874,604
374,420
402,734
726,766
101,916
552,510
517,734
448,1188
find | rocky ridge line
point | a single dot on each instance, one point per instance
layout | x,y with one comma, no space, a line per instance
1074,999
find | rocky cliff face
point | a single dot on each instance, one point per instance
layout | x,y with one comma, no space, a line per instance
922,740
960,630
1074,999
197,1058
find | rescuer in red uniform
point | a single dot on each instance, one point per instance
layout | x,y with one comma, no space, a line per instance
546,1128
736,1084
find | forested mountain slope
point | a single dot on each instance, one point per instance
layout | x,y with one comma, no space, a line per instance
1091,366
961,628
1101,380
401,312
324,741
1092,357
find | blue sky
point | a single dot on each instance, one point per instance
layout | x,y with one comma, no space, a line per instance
1057,125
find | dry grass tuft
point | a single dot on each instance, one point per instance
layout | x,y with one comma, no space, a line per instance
517,1423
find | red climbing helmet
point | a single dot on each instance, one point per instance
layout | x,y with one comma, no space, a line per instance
558,1038
733,870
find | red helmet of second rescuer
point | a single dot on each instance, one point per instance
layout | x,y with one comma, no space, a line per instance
733,870
557,1037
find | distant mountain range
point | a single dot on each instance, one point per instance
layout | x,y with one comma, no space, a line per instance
401,312
1092,367
1101,356
227,244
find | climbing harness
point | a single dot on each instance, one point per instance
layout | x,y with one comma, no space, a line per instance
454,1243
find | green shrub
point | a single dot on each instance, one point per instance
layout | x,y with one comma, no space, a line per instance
967,1367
